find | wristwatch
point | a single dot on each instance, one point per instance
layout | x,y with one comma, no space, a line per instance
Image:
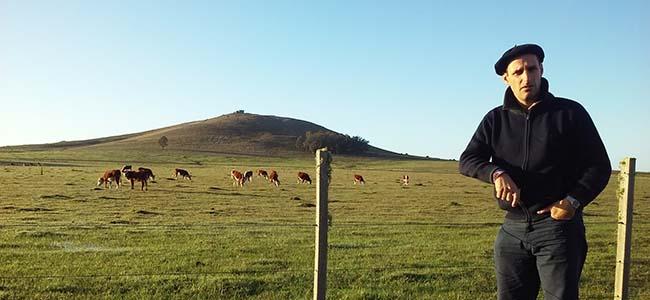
496,173
574,202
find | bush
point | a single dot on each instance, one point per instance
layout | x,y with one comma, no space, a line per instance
337,143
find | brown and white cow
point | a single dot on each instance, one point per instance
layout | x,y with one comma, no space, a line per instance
141,176
184,174
405,180
141,169
263,173
110,176
238,177
248,176
273,178
359,179
303,177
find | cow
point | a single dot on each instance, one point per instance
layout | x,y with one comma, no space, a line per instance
184,174
263,173
248,175
141,176
127,168
238,177
273,178
303,177
110,176
359,179
141,169
405,180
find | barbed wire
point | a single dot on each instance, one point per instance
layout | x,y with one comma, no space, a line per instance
248,272
240,272
161,274
260,224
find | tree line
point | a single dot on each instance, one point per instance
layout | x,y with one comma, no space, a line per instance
335,142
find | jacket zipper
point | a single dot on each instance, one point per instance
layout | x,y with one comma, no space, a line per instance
524,167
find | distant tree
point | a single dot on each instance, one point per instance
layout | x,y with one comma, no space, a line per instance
163,141
241,111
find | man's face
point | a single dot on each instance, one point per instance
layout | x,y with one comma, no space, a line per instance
524,76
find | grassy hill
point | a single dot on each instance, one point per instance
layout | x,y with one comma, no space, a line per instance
235,133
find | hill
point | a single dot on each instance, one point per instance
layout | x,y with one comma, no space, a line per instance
235,133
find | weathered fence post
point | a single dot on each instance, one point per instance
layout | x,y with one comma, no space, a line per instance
323,173
625,195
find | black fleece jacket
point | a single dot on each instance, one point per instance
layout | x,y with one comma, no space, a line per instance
550,151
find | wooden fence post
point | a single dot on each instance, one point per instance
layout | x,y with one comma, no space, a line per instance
625,195
323,175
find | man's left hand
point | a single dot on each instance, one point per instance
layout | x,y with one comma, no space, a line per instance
560,210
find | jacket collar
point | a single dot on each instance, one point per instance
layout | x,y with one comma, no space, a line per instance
510,102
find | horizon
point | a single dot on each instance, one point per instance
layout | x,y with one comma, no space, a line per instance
414,77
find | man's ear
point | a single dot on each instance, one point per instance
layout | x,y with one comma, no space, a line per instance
541,69
505,78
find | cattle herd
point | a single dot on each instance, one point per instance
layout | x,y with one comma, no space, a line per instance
142,175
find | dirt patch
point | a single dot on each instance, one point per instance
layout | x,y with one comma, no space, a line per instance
111,198
33,209
121,222
146,212
56,196
41,234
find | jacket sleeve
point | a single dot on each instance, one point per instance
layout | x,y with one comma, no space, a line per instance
593,163
475,160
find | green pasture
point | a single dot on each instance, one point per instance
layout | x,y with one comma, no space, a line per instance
63,238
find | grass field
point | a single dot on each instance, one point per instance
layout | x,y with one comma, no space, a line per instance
62,238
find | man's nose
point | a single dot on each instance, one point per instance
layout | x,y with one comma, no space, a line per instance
525,75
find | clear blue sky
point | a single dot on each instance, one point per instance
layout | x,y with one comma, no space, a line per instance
410,76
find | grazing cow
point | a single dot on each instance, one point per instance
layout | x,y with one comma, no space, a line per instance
359,179
109,177
263,173
141,169
248,175
273,178
405,180
238,177
141,176
127,168
303,177
183,173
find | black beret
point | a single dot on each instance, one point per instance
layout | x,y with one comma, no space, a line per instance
517,51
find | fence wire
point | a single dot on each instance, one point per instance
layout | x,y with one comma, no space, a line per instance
260,224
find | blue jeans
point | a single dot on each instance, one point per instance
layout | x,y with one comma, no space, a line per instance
547,253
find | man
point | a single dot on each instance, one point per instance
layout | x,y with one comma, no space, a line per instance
547,162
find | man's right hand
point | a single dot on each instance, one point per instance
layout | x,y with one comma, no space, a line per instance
506,189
